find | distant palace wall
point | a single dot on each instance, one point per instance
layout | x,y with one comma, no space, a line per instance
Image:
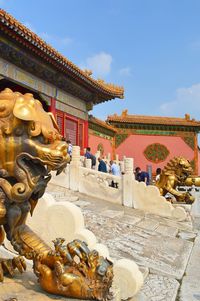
104,144
154,150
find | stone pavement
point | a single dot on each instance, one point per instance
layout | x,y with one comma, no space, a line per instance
170,249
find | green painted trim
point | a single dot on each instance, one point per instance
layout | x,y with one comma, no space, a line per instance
101,135
97,128
189,141
155,132
120,138
155,127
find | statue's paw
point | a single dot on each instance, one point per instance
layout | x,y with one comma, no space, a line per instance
190,200
8,266
68,252
78,248
19,263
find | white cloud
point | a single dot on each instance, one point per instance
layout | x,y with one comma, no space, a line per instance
187,100
55,41
125,71
100,64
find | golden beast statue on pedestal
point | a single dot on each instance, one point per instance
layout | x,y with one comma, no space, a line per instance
30,147
177,172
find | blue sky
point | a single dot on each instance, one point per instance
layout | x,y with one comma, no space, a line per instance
151,47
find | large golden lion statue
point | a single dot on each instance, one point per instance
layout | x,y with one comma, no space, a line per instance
30,147
177,172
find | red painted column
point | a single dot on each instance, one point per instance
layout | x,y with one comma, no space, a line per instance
53,106
85,134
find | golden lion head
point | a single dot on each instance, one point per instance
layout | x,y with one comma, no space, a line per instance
179,166
30,142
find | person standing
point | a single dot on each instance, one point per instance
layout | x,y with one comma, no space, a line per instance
102,166
142,176
70,147
115,170
89,155
158,173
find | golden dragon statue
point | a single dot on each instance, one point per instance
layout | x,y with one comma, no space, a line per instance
177,172
30,147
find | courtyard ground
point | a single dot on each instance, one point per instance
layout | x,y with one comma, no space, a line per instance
167,251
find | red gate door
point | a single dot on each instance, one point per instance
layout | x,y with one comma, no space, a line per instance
71,130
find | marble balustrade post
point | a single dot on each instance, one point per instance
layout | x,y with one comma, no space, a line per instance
75,168
88,163
127,182
97,155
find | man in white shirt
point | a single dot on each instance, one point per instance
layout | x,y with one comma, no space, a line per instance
115,170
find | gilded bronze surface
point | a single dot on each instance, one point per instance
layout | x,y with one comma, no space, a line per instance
178,172
30,147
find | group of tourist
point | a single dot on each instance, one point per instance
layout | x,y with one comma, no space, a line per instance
103,165
114,168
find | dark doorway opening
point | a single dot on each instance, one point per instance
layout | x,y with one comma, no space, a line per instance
5,83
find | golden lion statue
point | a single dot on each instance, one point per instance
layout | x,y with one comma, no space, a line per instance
177,172
30,147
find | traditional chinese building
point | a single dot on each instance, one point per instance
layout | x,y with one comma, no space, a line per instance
29,65
153,141
101,136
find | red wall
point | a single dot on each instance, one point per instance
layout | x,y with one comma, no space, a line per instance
94,141
135,145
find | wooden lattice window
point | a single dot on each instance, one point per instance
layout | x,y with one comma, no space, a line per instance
59,119
71,131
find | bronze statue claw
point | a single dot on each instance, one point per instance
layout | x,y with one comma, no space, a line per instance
78,248
7,266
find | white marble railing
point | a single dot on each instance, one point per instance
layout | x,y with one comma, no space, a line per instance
98,184
129,193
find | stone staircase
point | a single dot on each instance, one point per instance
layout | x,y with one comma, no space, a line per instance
168,248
